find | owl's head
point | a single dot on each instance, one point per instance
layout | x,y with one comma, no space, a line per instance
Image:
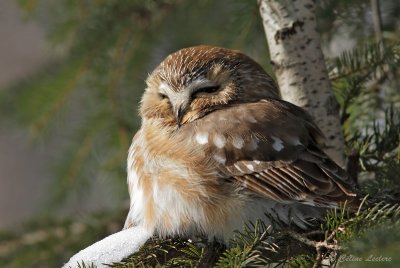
195,81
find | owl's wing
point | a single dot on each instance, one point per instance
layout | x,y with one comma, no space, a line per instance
272,148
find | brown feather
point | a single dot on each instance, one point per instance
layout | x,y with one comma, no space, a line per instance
288,158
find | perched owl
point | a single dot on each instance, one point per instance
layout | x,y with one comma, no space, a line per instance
218,147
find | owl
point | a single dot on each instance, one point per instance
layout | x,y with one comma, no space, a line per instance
218,147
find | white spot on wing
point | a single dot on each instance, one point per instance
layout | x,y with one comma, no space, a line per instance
202,138
250,167
219,140
237,142
220,158
278,144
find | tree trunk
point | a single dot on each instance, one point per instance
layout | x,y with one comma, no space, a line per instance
296,55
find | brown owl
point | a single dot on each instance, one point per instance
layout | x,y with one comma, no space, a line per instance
218,147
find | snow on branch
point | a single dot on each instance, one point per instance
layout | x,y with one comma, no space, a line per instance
111,249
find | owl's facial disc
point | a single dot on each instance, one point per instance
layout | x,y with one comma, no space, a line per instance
181,99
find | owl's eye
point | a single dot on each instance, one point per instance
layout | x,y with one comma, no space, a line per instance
162,96
209,89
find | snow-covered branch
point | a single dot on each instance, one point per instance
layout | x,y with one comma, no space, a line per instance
112,248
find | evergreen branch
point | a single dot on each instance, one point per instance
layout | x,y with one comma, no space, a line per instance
379,143
250,247
365,61
170,252
315,244
190,257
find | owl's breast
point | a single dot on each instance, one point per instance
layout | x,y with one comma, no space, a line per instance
173,187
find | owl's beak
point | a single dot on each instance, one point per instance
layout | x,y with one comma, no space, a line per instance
180,112
181,103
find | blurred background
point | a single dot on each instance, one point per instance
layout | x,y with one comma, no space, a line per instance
71,76
22,51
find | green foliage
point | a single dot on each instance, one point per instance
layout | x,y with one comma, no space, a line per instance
247,248
378,157
364,83
163,253
48,242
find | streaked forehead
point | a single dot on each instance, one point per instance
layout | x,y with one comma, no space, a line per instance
190,64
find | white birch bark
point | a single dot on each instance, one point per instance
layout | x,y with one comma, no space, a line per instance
296,55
